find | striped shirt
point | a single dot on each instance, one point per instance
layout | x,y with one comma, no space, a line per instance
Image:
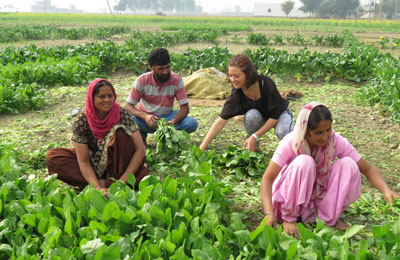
157,98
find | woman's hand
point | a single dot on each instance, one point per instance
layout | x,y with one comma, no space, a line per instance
102,183
104,191
271,220
251,143
389,196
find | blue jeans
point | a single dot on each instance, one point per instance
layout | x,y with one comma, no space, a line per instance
189,124
253,120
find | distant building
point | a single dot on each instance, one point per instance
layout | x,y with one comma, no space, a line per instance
44,6
275,10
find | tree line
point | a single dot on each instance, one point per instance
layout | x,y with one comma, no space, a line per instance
343,8
156,5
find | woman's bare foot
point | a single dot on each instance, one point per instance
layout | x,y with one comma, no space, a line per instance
341,225
291,228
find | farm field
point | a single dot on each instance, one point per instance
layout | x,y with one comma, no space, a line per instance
195,205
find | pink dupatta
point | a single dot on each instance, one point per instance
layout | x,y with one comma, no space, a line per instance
100,127
322,155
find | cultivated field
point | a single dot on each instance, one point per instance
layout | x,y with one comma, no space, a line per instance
200,206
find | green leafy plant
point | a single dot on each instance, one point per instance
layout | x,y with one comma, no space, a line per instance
170,142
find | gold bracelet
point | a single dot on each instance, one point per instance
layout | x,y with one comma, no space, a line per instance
268,212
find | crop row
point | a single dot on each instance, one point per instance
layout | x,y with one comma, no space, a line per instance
145,21
42,32
190,216
70,65
334,40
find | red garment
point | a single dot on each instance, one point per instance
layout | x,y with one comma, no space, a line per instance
64,163
100,127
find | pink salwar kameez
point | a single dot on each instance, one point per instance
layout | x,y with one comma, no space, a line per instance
294,192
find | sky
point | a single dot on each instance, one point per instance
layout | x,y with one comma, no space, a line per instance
209,6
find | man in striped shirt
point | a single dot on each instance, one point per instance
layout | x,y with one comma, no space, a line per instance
154,93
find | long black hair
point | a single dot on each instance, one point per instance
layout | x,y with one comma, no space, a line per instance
318,114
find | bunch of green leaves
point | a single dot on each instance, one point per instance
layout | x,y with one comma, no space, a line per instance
241,162
170,142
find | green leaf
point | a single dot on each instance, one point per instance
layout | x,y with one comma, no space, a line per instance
292,251
270,235
91,246
43,225
112,252
94,226
380,231
236,222
177,234
205,168
195,225
157,213
179,254
154,251
29,219
210,219
320,225
131,180
258,230
168,216
305,234
170,247
352,230
98,200
146,217
170,189
144,195
111,210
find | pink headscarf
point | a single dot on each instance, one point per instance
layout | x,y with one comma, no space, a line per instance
100,127
322,155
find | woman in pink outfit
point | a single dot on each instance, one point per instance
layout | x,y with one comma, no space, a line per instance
315,172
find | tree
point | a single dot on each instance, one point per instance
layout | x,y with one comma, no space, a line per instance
121,6
389,8
287,7
310,6
338,8
167,5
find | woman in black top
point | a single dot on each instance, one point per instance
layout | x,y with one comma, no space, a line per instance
257,98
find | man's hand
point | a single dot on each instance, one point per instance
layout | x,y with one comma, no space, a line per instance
171,122
151,120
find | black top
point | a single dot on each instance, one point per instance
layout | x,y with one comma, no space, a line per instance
271,104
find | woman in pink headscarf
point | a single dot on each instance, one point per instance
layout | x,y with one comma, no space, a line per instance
107,143
315,172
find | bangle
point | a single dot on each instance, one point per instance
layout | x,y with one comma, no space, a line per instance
255,136
268,213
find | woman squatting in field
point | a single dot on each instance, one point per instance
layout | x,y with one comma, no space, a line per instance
315,172
106,140
257,98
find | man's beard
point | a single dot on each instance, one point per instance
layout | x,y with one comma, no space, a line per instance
162,78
